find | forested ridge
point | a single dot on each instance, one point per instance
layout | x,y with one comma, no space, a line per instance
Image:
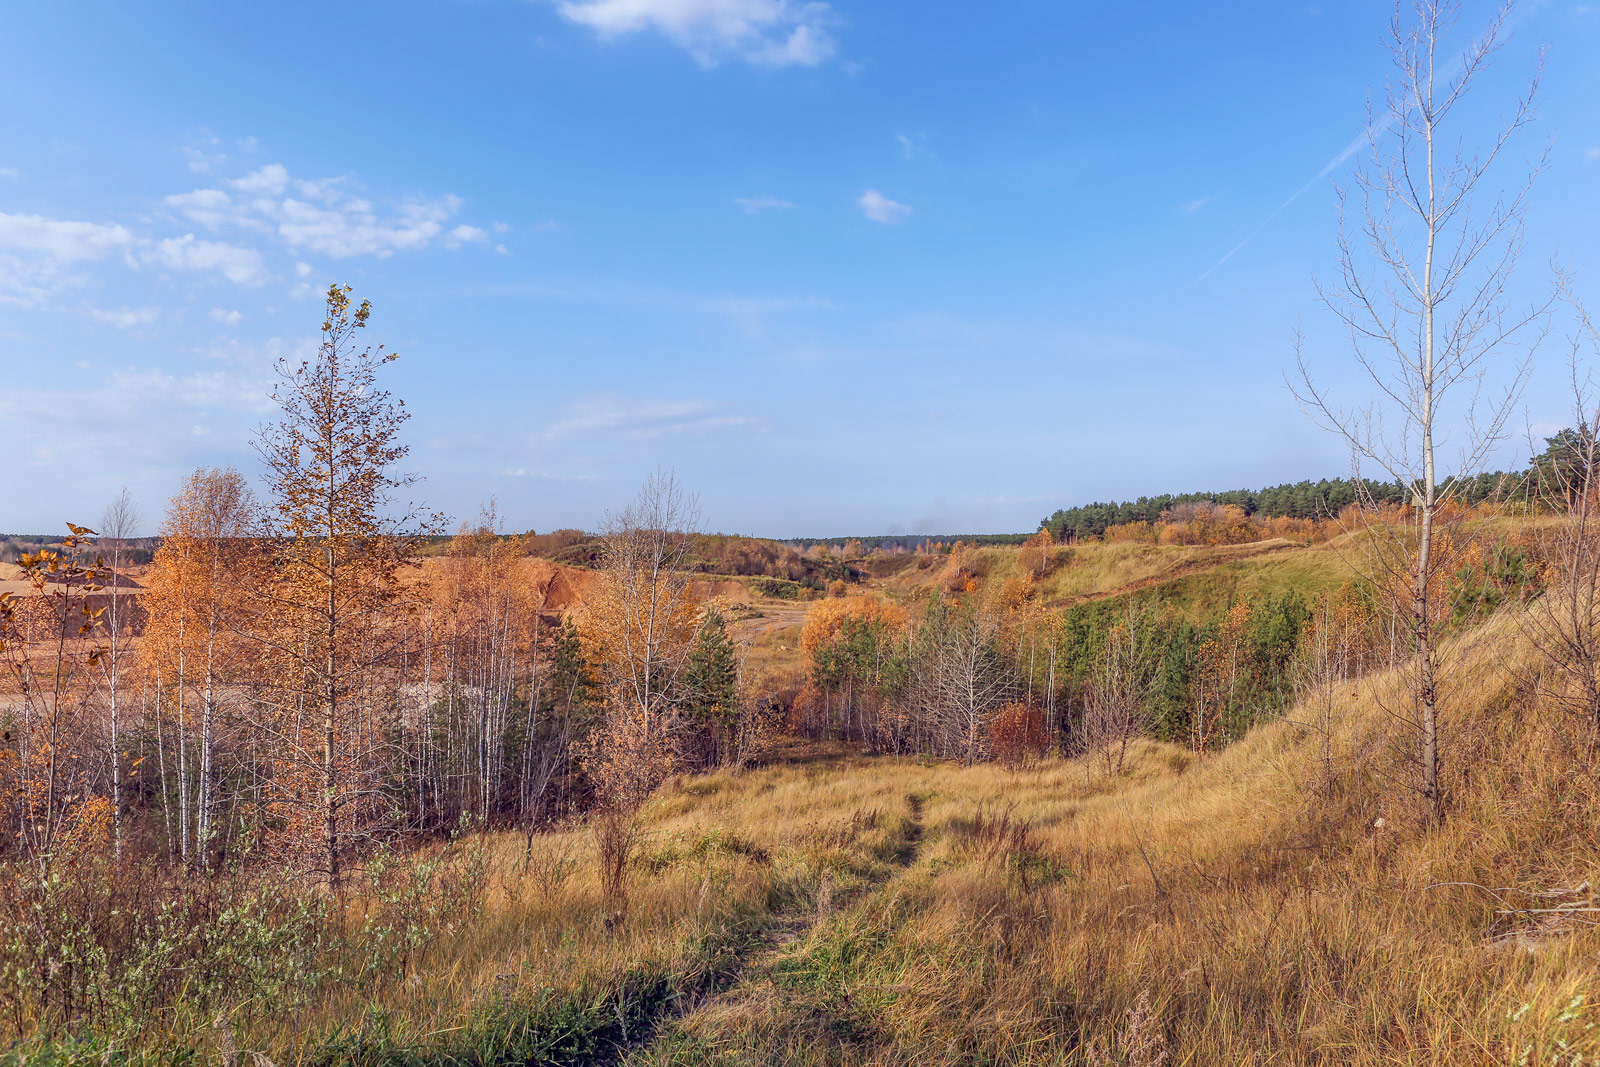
1304,499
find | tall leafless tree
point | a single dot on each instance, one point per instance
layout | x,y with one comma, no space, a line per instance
1112,707
1423,293
970,680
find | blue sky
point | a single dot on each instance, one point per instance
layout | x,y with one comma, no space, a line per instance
846,267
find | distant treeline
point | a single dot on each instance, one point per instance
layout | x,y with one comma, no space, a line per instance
1296,500
905,542
138,552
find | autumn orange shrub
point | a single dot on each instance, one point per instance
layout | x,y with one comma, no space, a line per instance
1219,524
1017,734
827,618
1132,532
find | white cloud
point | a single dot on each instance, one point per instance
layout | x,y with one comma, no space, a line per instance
139,415
465,235
240,265
61,240
270,180
211,208
322,216
35,252
9,172
343,233
27,283
1593,153
767,32
753,204
226,316
1195,205
127,318
879,208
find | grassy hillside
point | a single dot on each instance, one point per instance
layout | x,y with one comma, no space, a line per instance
1195,578
1276,903
1258,906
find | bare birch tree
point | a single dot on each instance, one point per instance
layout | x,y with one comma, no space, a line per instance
1112,707
1423,293
118,526
970,681
640,628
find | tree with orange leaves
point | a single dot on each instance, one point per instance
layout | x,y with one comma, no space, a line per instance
850,642
45,771
1040,544
195,596
1224,662
332,461
639,629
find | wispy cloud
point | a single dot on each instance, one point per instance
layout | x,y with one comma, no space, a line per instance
63,240
629,417
243,266
912,147
549,476
1195,205
144,416
751,205
879,208
1447,72
466,235
776,33
127,318
204,153
226,316
1592,154
323,216
9,172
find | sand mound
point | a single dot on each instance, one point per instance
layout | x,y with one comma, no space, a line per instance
562,587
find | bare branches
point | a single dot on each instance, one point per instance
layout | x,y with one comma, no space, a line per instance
1422,293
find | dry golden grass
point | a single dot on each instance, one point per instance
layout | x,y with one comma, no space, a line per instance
723,859
1266,915
1241,908
1095,570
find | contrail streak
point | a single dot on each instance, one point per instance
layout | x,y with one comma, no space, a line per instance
1350,149
1447,73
